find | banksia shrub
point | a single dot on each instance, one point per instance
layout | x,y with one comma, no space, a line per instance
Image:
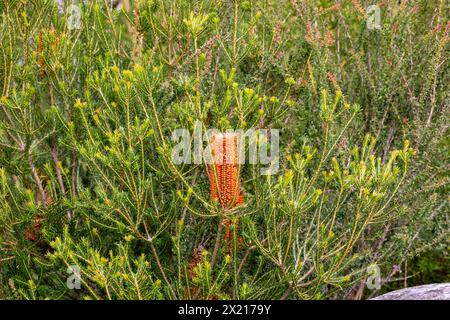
106,114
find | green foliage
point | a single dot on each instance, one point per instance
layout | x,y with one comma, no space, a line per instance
86,171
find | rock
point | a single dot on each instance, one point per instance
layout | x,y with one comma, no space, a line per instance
436,291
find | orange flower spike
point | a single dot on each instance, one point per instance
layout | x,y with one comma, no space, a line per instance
224,172
212,182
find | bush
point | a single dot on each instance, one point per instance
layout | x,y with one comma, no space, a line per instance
92,93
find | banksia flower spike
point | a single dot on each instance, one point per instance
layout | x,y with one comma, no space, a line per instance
224,178
224,171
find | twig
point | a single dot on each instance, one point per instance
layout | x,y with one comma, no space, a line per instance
214,255
56,161
246,254
216,245
216,68
389,140
37,180
135,32
74,174
183,215
287,292
158,262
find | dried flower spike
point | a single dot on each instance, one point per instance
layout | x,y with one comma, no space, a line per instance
224,172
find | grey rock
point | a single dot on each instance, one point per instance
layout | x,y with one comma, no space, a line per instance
436,291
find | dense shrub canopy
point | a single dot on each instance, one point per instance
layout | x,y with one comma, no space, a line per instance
92,91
